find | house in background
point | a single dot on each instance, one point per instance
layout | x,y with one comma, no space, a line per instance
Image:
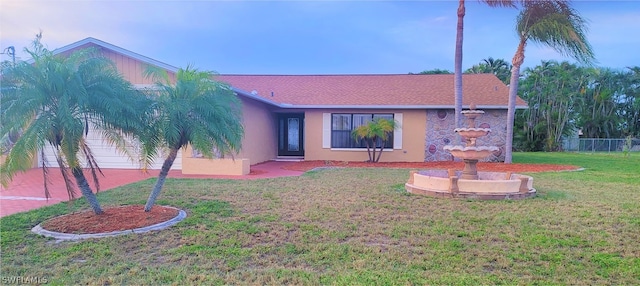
310,117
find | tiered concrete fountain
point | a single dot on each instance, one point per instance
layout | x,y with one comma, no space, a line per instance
470,183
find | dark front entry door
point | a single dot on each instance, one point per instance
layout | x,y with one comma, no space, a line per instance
290,134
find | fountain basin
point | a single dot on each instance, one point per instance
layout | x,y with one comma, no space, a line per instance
470,152
488,186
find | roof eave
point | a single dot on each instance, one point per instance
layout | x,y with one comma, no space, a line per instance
255,97
116,49
294,106
353,106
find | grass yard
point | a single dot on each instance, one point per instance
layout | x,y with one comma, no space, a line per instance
357,227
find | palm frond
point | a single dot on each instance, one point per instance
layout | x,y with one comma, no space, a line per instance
557,25
501,3
91,163
56,99
68,183
45,176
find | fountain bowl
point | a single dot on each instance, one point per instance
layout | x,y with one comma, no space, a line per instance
488,186
472,132
471,152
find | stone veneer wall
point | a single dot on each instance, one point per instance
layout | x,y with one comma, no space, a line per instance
440,125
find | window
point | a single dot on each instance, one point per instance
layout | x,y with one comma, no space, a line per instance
342,124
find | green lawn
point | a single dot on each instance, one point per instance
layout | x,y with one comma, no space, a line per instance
357,227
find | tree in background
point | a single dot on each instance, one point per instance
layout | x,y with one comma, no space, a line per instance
498,67
551,90
54,101
196,110
553,23
597,109
435,71
374,133
564,98
630,107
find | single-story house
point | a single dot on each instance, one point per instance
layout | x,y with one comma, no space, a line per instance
309,117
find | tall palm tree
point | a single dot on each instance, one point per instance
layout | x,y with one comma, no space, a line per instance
555,24
196,110
457,80
54,101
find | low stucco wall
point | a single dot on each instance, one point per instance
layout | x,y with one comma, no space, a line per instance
491,185
204,166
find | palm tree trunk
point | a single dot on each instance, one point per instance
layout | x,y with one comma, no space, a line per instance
518,59
166,166
372,157
457,80
380,153
86,191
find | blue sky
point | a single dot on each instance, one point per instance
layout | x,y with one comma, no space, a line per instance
309,37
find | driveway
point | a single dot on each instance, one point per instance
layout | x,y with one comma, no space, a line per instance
26,191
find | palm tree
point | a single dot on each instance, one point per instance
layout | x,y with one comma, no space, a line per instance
457,81
196,110
54,101
599,108
555,24
631,108
434,71
375,133
498,67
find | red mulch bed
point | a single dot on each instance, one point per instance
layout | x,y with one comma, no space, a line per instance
133,216
482,166
113,219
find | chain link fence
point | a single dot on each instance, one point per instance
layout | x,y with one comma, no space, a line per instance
601,145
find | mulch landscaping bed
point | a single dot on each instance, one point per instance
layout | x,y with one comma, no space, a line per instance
482,166
113,219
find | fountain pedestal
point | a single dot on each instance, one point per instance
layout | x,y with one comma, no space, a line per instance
470,172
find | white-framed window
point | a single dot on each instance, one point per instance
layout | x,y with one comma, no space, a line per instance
327,130
342,124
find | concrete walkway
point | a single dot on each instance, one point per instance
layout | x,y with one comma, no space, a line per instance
26,191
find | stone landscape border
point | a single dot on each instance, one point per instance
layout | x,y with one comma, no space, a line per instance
70,236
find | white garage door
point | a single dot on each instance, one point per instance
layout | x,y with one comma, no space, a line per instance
108,157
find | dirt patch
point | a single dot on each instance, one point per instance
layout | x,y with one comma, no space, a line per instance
482,166
113,219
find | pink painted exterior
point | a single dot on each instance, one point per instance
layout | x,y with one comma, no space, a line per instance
260,142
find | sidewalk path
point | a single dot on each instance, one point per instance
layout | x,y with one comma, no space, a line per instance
26,191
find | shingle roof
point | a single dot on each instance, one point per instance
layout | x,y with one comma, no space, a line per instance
411,90
362,91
